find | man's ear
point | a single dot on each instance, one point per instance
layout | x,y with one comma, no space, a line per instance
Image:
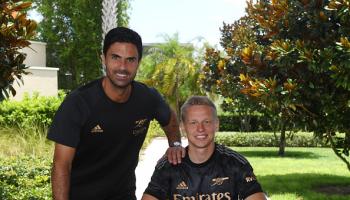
217,125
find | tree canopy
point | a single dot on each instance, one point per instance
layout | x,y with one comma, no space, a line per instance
292,58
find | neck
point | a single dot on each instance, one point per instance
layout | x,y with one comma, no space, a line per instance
116,94
200,155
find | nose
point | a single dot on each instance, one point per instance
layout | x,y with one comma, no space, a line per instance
200,127
122,64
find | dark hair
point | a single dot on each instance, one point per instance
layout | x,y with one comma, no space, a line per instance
123,34
195,101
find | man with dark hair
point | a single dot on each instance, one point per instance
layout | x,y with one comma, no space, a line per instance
100,127
209,170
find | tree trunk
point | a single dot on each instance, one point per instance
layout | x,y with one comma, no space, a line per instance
177,101
334,148
109,16
109,19
282,144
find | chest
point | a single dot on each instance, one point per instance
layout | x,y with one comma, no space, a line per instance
117,123
204,184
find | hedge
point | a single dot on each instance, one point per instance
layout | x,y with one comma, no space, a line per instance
38,110
267,139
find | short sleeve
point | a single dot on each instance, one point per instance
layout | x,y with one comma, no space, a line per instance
162,111
159,184
248,183
68,121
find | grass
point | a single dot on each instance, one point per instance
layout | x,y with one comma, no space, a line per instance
24,142
293,177
299,173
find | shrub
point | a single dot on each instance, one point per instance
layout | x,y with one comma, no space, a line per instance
32,110
25,178
267,139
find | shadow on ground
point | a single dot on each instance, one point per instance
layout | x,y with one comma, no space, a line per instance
274,154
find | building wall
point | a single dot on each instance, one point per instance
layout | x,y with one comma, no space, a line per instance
36,54
41,79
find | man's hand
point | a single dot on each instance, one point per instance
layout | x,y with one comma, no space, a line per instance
175,154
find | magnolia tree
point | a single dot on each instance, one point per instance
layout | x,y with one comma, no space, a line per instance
15,32
292,58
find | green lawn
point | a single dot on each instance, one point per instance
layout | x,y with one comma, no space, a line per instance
299,173
293,177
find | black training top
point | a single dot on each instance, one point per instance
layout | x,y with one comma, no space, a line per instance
225,175
107,137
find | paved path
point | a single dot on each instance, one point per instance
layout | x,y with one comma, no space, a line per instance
148,161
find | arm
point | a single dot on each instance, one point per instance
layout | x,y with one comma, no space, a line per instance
148,197
60,175
256,196
174,154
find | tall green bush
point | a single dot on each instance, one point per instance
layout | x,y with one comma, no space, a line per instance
31,110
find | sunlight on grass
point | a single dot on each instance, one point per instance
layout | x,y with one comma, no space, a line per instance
19,141
297,174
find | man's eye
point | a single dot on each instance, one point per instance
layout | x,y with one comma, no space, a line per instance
131,59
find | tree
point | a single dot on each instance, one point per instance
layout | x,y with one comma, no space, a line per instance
72,31
221,72
15,32
296,65
173,69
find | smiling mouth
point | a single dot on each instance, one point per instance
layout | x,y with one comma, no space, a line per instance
201,137
121,75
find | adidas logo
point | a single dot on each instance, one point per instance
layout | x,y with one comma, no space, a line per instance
97,129
182,186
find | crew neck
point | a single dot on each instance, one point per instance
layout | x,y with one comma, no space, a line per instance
199,165
114,102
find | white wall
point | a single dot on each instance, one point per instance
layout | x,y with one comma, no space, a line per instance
36,54
40,79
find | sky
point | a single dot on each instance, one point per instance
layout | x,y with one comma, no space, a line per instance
190,19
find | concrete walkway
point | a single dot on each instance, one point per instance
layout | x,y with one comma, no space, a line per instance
148,160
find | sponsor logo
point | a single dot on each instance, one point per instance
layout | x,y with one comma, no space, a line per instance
218,181
182,186
97,129
250,178
212,196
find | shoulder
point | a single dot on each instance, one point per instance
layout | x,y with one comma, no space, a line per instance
91,87
142,88
163,163
86,93
231,155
